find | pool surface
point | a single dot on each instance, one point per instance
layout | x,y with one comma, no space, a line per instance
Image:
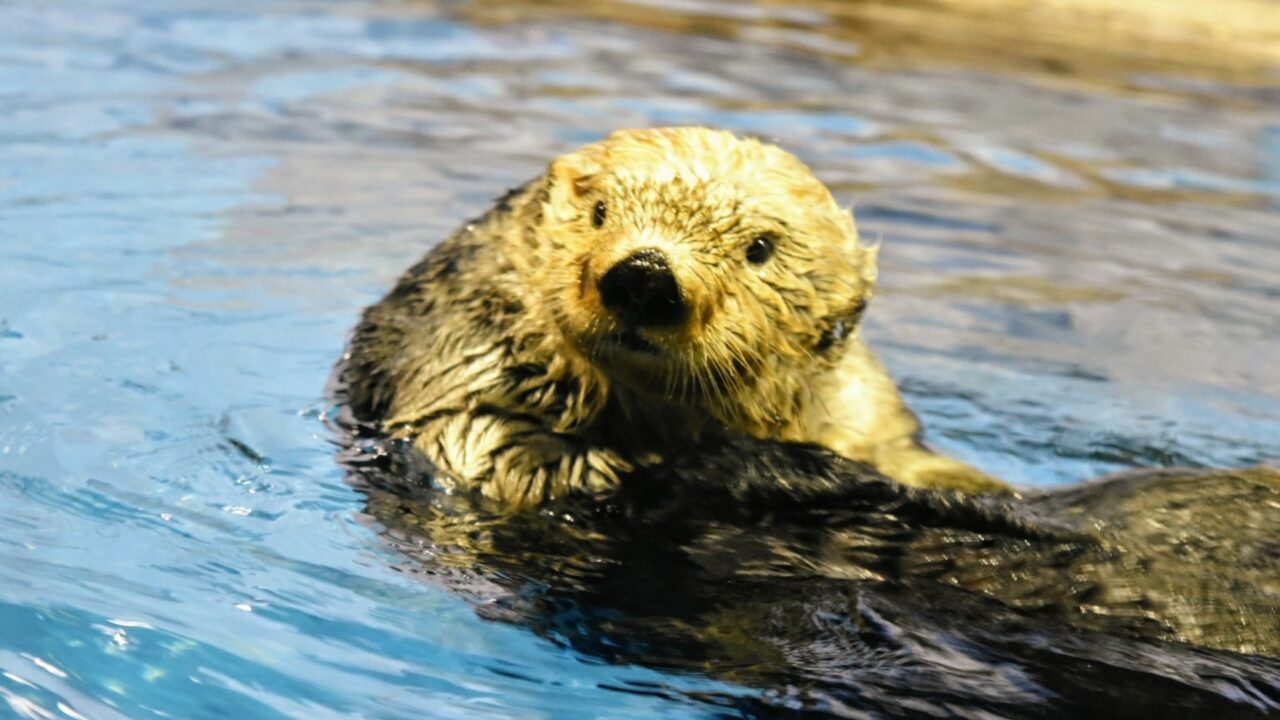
1080,273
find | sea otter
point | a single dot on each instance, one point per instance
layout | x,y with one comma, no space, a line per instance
656,291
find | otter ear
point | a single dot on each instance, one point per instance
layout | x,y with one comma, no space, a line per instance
571,176
869,268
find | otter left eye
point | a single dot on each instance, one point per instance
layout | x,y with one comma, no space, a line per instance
598,214
760,250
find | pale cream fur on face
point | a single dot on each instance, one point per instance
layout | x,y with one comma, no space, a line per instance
701,197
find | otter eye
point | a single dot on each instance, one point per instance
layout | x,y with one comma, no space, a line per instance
597,214
760,250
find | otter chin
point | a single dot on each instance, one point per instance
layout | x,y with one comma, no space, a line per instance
652,291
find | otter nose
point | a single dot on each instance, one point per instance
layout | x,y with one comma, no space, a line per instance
642,291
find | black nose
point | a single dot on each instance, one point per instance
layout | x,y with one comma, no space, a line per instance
642,291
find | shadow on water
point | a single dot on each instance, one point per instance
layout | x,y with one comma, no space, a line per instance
837,593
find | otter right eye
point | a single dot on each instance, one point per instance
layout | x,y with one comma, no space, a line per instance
598,214
760,250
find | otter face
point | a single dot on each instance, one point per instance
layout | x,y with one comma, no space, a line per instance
691,263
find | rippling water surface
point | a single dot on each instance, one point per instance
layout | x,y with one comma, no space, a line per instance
1080,259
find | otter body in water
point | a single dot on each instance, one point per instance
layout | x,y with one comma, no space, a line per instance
787,568
656,291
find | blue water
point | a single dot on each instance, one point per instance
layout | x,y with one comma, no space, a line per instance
198,198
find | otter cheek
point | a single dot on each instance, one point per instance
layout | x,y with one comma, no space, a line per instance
586,279
704,306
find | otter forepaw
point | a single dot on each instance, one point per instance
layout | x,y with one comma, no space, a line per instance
944,473
600,473
525,476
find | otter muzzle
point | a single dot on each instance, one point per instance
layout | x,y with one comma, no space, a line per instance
642,291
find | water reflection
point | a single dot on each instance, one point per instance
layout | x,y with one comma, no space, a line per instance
1135,46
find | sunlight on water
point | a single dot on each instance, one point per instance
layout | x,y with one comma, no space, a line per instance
1078,276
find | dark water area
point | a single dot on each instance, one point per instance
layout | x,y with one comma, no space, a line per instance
1081,246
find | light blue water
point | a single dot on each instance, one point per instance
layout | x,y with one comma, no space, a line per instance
197,199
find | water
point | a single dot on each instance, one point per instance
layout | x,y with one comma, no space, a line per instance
1081,248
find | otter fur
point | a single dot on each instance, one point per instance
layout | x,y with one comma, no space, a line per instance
651,293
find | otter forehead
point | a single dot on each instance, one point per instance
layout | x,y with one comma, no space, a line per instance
678,201
701,178
724,167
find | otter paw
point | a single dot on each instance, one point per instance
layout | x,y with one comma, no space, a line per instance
943,473
601,473
526,476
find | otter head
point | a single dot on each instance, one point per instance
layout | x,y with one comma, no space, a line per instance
702,267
